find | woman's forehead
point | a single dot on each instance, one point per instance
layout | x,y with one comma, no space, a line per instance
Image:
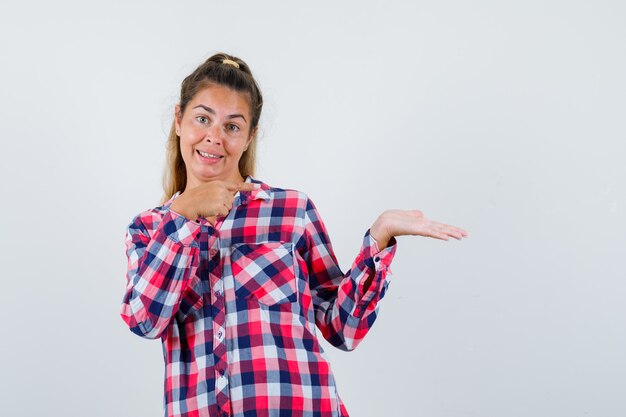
221,99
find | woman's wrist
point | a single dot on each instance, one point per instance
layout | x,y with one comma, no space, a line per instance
179,206
377,234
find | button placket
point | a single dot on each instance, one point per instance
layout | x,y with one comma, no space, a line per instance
218,289
219,323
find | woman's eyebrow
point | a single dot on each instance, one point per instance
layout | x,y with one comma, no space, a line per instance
210,110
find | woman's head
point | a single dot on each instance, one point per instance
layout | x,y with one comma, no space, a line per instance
219,110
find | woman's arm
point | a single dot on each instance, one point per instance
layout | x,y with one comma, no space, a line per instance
345,305
163,255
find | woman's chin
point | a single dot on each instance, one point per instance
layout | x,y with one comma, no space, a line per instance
207,175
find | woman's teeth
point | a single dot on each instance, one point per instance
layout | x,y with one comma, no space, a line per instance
209,155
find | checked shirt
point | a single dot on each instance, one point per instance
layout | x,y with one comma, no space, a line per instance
236,305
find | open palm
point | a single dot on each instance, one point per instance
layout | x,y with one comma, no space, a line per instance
412,222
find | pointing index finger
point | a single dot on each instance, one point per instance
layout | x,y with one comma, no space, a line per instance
243,186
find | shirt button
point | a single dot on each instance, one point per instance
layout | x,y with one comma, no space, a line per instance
377,259
222,372
219,335
218,293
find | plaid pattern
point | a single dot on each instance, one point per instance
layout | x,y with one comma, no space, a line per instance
236,306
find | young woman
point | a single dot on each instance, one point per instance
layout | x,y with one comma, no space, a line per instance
236,277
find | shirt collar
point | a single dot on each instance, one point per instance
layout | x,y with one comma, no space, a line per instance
263,193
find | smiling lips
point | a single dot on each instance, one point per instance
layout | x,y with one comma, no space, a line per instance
207,155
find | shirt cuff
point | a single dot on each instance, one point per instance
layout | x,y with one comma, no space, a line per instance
378,262
374,257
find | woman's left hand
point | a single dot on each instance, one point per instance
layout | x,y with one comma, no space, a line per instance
411,222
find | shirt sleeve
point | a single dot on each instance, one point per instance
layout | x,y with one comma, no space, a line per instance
344,310
162,260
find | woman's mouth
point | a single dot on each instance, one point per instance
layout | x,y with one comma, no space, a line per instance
207,155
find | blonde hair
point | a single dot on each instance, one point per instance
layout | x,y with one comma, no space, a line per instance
213,71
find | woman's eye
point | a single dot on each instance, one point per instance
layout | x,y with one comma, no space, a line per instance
202,119
233,128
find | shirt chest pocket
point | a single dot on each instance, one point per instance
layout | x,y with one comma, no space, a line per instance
264,272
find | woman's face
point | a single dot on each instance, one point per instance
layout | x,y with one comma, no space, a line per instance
214,132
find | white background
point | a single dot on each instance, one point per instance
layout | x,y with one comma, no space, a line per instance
505,118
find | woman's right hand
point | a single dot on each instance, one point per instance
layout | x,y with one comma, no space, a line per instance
209,200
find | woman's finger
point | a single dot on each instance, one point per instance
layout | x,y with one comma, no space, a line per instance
440,236
223,211
241,186
440,231
448,228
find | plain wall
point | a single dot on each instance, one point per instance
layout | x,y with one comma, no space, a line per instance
504,118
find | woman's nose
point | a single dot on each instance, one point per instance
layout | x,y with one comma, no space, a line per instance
214,135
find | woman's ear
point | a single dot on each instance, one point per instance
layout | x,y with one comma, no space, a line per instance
177,118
